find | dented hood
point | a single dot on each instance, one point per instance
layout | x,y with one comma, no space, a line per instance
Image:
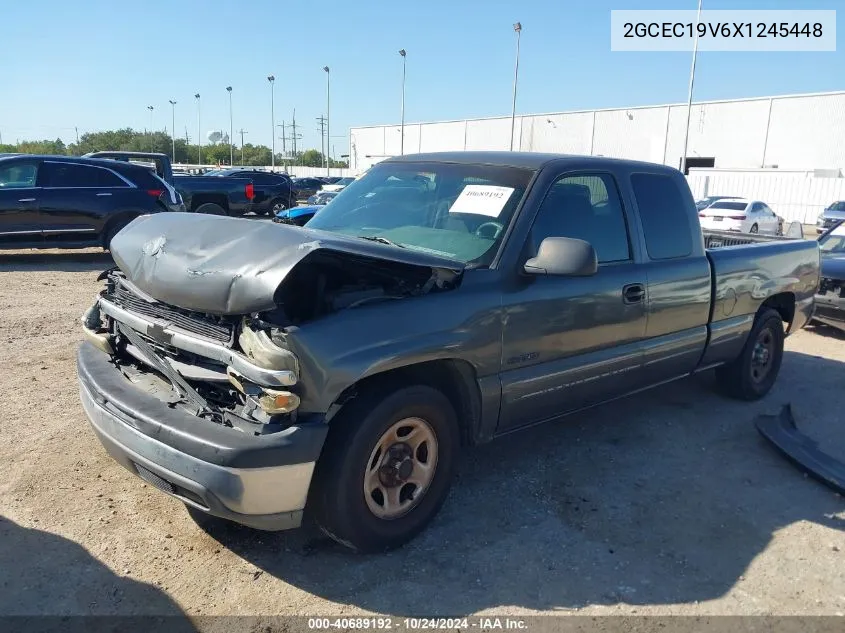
222,265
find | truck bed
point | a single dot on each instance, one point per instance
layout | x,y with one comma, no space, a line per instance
746,271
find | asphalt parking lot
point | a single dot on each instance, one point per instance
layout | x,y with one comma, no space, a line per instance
666,503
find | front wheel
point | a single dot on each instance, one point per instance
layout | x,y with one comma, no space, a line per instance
387,468
751,375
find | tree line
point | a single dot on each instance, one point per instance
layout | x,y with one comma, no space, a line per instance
129,140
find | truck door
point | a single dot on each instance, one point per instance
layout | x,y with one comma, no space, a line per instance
678,273
569,342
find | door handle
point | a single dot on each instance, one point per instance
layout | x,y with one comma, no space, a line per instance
27,200
103,194
633,293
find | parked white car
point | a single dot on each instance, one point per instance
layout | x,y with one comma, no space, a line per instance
745,216
340,184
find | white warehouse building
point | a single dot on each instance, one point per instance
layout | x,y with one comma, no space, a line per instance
787,150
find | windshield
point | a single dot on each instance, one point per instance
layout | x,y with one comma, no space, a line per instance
837,206
833,242
451,210
735,206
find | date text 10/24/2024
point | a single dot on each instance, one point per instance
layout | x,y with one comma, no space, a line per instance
723,30
480,623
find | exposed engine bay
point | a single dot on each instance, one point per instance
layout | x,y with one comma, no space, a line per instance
235,370
834,287
332,282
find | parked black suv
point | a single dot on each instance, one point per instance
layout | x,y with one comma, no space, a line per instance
69,202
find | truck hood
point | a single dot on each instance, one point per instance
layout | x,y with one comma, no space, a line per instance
831,214
231,266
833,266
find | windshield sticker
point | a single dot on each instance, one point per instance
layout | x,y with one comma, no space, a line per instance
486,200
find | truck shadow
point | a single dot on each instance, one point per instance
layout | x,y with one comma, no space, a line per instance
827,331
42,574
54,260
664,498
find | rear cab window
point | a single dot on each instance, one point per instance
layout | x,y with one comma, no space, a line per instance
664,215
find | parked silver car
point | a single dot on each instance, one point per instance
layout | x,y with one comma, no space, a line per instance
831,215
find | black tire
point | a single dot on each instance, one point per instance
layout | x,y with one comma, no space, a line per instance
210,208
754,228
338,500
742,378
113,230
275,206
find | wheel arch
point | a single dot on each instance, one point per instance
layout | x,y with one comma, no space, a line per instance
203,198
119,219
783,303
456,378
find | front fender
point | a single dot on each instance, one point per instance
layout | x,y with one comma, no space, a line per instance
339,351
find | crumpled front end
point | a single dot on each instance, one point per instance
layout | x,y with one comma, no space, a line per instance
186,373
830,302
202,407
225,369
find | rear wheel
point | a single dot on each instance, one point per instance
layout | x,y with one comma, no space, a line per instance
751,375
387,468
754,228
277,205
112,231
210,208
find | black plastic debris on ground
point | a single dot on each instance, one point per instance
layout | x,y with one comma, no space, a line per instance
800,449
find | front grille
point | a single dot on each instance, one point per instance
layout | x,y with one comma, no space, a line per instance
216,329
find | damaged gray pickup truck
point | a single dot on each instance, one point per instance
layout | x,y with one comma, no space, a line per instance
256,371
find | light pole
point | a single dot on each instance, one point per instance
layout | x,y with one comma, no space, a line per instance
173,128
151,108
402,141
518,28
328,83
199,131
689,95
272,81
231,130
242,132
284,148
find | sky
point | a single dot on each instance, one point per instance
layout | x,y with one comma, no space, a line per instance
97,64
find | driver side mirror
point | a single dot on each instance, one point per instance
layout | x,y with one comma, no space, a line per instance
563,256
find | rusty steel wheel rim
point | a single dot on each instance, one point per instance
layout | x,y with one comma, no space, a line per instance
400,469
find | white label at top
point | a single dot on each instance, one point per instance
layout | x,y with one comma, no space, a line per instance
752,30
486,200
